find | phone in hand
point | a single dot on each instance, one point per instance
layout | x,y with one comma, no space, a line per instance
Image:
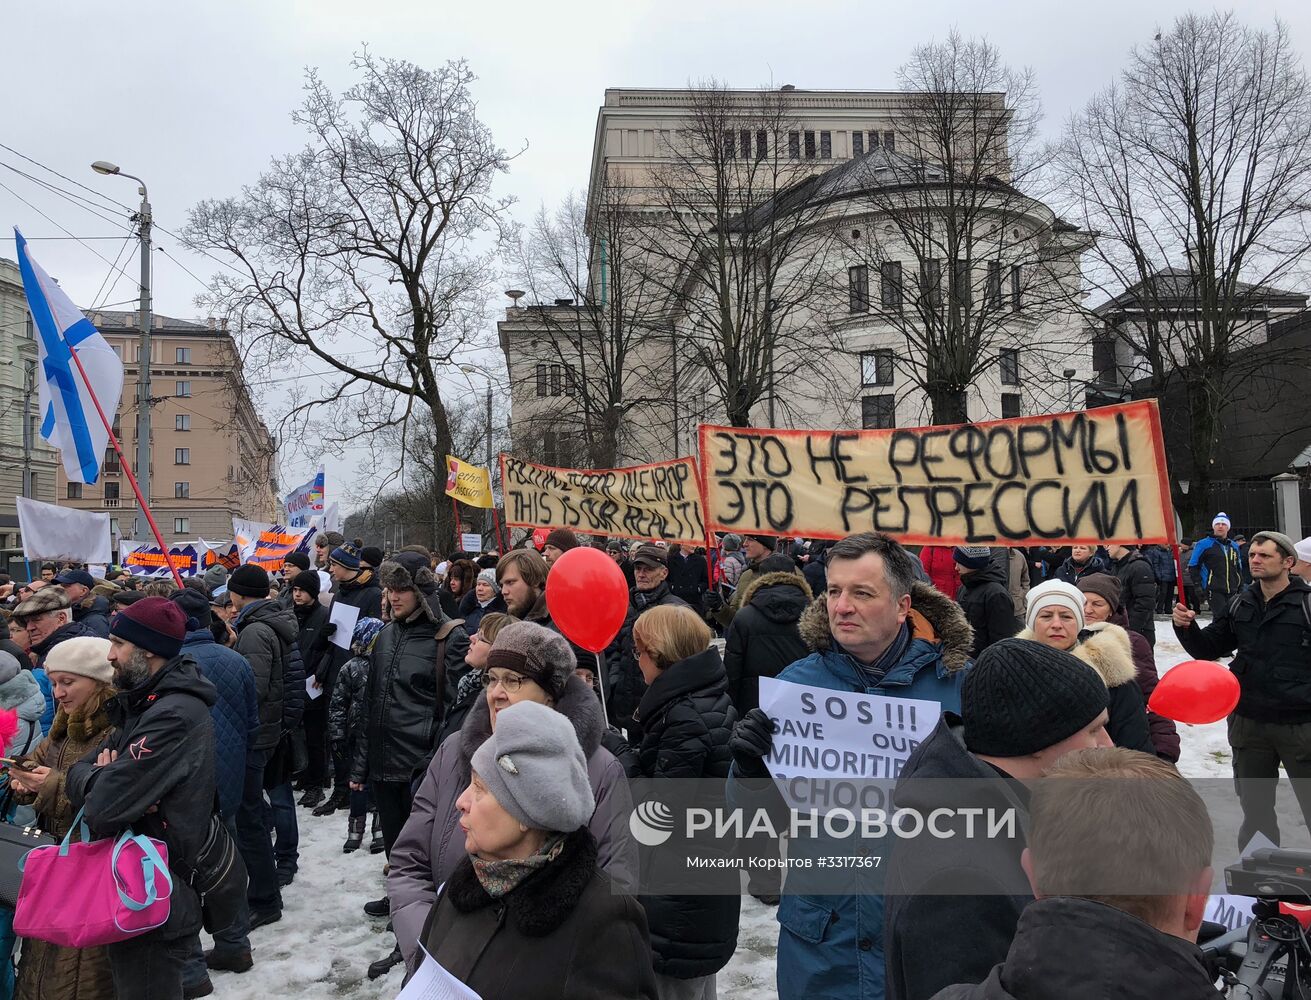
19,765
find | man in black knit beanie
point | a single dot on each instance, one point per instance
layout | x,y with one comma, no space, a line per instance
1023,706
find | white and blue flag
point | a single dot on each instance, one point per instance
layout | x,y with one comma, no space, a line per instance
68,415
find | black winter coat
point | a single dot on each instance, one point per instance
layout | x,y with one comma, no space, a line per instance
687,719
1071,572
990,888
406,695
1077,949
165,741
1138,593
623,679
1272,640
266,637
363,593
762,639
72,630
564,933
93,612
985,598
346,707
472,612
312,640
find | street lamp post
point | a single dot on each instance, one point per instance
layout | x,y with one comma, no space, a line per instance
143,361
1069,374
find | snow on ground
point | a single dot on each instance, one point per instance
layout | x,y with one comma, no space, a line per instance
324,943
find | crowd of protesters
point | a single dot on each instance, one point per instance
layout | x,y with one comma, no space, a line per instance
488,759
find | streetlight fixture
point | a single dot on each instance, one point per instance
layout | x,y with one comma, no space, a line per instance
143,361
1069,374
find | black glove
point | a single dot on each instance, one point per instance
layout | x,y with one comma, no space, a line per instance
330,629
711,601
752,738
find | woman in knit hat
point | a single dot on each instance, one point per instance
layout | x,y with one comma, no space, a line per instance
1054,617
83,682
485,598
1103,609
526,663
527,912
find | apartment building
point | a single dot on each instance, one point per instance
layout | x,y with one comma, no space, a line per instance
212,457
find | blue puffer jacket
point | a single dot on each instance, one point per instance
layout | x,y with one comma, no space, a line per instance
831,947
235,714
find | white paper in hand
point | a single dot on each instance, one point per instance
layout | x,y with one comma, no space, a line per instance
312,691
432,982
344,616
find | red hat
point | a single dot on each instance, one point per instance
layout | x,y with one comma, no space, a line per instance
154,624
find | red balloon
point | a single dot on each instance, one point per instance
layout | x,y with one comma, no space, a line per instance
587,596
1196,692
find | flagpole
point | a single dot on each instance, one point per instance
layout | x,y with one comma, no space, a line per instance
132,480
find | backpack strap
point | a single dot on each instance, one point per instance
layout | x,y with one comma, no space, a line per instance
444,631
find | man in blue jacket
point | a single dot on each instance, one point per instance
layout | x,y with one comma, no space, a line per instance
1216,566
875,631
236,721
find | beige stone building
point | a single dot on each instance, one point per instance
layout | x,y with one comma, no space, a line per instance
1025,275
18,353
212,458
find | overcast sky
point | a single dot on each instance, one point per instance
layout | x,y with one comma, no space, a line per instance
195,97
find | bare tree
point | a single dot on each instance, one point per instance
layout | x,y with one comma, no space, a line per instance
1195,169
588,252
964,258
739,249
370,252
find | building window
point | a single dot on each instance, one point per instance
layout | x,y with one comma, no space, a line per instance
890,142
36,490
826,145
182,355
113,526
810,145
111,491
181,456
878,412
29,331
557,380
181,491
111,461
994,285
1016,292
960,283
542,389
857,144
74,491
873,140
890,285
931,282
858,288
876,367
181,525
1103,359
794,145
1009,359
117,426
744,143
182,422
1010,405
182,389
729,144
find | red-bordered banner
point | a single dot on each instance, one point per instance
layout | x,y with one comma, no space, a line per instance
660,502
1091,477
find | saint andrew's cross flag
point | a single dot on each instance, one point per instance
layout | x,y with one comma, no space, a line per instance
68,416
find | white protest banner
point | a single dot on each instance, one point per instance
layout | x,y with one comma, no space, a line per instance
246,533
1232,911
848,740
63,534
471,541
344,616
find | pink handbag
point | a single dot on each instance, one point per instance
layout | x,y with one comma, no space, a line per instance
95,892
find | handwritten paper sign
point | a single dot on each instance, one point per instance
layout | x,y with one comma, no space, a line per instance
843,738
660,501
1090,477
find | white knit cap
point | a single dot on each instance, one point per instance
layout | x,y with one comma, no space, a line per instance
1054,593
1221,518
1303,549
84,655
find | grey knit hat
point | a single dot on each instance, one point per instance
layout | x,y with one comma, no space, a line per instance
536,652
1282,542
488,576
215,577
535,769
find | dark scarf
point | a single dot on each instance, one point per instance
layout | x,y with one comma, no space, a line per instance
891,656
500,878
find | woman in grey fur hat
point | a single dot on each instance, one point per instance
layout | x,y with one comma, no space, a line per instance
527,663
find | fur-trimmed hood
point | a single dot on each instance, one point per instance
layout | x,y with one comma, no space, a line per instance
1104,647
933,617
781,578
578,704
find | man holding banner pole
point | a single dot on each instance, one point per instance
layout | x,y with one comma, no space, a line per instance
875,631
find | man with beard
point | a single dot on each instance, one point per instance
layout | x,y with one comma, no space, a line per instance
521,575
90,609
625,686
155,775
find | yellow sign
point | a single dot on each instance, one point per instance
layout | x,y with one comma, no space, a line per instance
469,484
660,501
1091,477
